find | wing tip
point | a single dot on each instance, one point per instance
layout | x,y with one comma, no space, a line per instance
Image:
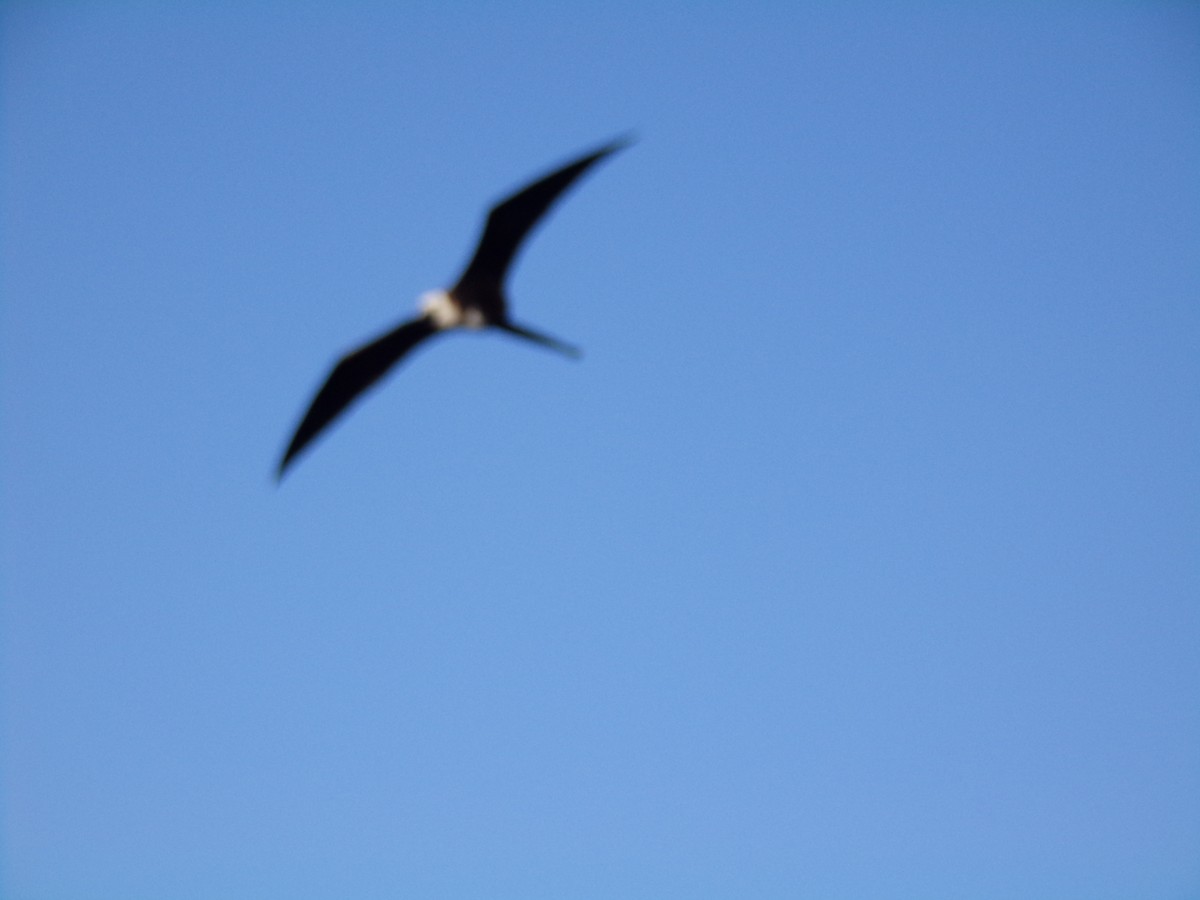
282,468
618,143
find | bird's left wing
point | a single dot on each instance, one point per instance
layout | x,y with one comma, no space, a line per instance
511,221
351,377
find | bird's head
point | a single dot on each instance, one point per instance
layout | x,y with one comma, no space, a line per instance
446,312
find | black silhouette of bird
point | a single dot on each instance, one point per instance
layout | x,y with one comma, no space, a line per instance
476,301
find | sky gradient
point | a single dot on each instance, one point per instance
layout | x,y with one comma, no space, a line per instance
859,556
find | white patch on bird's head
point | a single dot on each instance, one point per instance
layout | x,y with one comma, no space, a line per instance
440,307
447,312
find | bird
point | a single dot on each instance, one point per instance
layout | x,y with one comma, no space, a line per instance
477,300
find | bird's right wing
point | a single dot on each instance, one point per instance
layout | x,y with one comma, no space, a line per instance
351,377
510,221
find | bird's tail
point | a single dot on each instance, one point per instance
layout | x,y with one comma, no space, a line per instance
538,338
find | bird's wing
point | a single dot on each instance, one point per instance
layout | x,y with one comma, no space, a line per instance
351,377
511,220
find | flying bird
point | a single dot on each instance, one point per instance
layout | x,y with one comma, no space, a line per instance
476,301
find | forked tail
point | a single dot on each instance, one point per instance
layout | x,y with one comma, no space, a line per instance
538,338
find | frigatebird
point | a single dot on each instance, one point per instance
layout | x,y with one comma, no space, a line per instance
476,301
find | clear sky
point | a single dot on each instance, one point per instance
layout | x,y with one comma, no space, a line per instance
858,557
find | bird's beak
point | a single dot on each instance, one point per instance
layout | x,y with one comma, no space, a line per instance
538,338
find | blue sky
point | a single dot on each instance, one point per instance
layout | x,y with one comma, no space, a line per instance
858,557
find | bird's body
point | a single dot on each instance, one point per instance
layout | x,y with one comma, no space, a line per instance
476,301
